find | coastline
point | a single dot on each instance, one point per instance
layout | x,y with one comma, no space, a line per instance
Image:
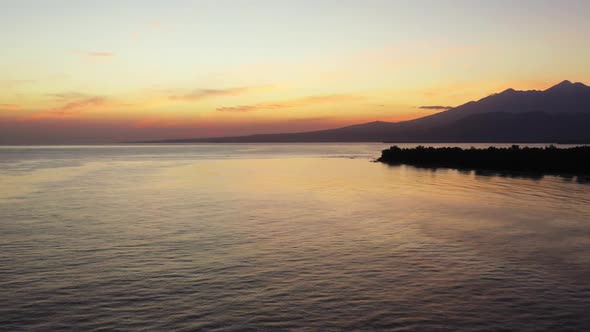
550,160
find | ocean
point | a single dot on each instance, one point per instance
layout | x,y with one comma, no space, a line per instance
274,237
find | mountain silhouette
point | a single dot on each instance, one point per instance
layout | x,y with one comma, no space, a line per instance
560,113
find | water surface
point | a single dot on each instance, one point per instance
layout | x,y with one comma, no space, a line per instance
280,237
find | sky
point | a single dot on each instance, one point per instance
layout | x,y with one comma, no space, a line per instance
77,72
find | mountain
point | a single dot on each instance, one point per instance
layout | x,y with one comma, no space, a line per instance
560,113
505,127
367,132
565,97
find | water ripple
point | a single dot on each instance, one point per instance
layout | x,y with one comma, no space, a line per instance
179,238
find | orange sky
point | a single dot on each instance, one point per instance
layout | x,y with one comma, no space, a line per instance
104,72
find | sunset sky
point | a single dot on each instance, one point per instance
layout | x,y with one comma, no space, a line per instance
107,71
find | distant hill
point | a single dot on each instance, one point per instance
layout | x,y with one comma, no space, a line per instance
505,127
560,113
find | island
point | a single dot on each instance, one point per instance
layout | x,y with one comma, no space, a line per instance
574,161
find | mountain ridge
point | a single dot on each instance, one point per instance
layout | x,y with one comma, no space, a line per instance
559,113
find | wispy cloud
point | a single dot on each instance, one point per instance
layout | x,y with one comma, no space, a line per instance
209,93
200,94
435,107
70,108
301,102
95,54
65,96
100,54
9,107
155,24
147,30
14,83
243,108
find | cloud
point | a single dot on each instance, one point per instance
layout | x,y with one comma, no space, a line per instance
100,54
200,94
147,30
209,93
10,107
435,107
14,83
69,108
96,54
155,24
301,102
240,109
64,96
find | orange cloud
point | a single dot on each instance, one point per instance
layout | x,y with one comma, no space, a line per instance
301,102
246,108
69,109
9,107
200,94
207,93
100,54
14,83
155,24
65,96
96,54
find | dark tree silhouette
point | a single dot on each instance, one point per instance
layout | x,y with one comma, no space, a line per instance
548,160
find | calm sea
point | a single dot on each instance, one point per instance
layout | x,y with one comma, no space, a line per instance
267,237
